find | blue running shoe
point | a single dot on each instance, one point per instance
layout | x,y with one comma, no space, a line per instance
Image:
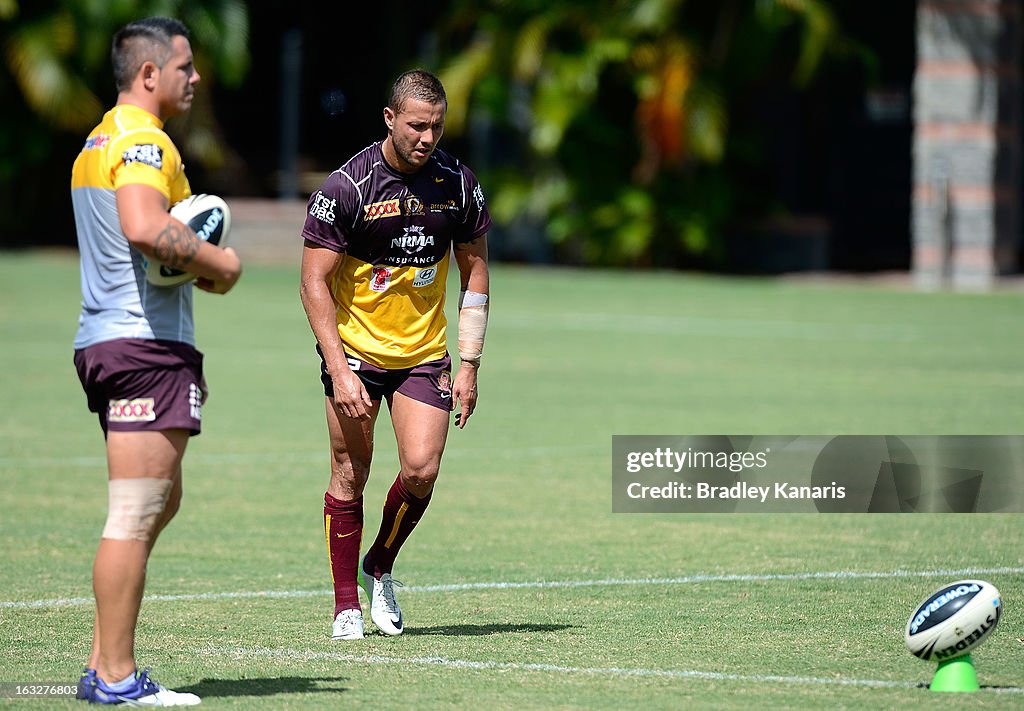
85,683
143,692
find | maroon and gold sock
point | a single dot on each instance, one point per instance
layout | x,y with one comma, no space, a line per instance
402,511
343,527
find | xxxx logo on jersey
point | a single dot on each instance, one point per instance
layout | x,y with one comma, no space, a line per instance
377,210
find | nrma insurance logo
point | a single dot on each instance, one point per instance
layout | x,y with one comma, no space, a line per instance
413,240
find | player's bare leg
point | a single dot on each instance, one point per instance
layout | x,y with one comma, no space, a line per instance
351,454
119,571
421,431
173,504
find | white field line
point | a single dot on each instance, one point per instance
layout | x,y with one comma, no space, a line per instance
306,656
307,457
548,584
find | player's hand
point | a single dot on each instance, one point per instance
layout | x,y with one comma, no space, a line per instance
350,396
211,286
464,392
223,286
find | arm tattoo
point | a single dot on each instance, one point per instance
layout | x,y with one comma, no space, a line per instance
175,247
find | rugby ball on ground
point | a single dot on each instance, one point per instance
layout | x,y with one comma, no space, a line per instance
209,217
953,620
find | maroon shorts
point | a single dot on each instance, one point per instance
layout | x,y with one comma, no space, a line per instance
429,383
135,384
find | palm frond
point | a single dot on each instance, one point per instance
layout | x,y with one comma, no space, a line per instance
36,55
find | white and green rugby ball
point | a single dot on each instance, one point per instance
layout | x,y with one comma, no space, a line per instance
953,620
209,217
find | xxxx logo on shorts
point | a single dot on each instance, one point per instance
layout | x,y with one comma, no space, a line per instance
377,210
139,410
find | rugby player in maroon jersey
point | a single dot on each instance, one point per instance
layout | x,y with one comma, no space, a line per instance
378,239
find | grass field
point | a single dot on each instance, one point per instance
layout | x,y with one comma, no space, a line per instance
523,590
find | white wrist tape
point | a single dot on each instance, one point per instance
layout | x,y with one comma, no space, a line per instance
472,298
472,325
135,507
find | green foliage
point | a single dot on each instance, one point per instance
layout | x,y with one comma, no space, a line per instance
56,82
58,51
622,115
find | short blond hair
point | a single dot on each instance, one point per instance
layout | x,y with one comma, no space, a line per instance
416,84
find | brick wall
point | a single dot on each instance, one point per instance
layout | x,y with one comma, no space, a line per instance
967,115
267,231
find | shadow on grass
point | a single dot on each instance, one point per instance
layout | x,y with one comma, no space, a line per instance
982,687
483,630
213,688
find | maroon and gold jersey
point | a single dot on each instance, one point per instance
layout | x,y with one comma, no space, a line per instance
396,231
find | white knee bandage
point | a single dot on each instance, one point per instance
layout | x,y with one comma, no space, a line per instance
135,506
472,325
